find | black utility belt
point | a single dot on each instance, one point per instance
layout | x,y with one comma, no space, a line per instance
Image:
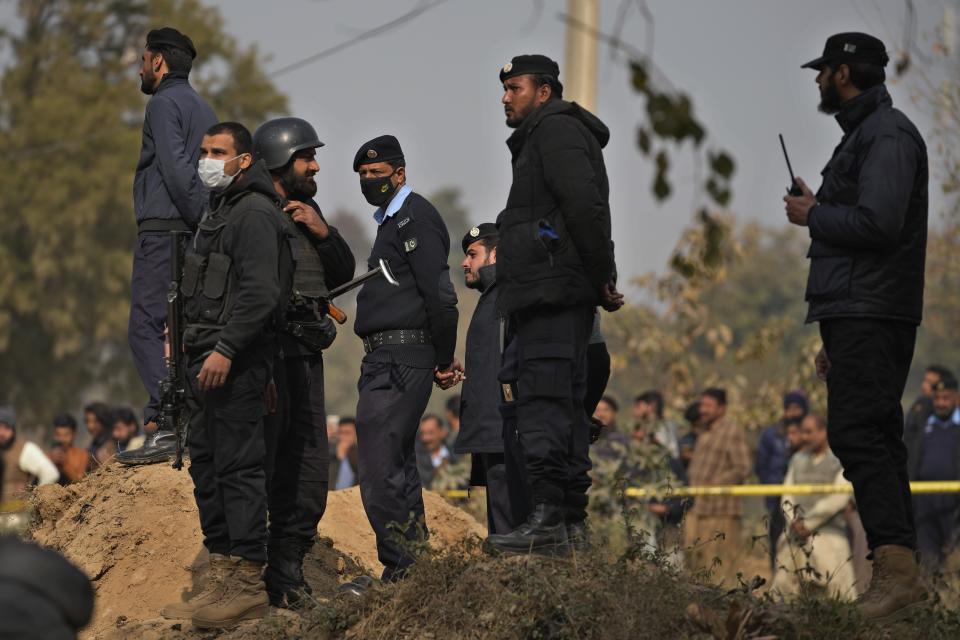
396,336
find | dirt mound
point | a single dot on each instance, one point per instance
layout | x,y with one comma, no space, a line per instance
135,532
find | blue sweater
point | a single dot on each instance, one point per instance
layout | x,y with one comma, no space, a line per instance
773,456
166,185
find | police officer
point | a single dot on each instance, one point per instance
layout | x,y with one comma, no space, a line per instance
554,266
409,334
297,448
167,196
868,230
235,279
481,424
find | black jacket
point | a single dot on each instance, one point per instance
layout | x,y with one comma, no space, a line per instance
481,426
239,273
869,230
555,245
415,242
166,185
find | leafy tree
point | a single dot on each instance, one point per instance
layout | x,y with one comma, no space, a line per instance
70,121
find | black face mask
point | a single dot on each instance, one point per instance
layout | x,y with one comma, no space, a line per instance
377,191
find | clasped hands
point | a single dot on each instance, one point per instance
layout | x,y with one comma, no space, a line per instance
449,377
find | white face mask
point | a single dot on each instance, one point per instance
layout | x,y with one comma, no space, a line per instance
212,175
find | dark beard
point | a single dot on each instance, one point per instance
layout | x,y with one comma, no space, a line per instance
148,84
5,447
830,99
298,187
519,116
472,284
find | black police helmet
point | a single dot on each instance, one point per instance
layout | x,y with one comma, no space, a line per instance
275,141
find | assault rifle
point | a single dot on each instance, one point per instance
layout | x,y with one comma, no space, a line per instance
173,415
383,268
308,325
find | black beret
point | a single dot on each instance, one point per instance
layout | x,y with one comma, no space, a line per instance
947,383
530,64
479,232
380,149
170,37
851,47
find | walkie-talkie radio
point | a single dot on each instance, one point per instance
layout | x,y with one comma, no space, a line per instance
794,188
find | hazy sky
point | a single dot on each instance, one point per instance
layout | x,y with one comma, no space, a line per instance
433,83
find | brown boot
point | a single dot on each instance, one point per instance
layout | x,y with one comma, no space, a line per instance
895,591
245,598
212,591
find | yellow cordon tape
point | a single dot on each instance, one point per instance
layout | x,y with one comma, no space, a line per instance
747,490
13,506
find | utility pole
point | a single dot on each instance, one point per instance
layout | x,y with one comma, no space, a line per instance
580,66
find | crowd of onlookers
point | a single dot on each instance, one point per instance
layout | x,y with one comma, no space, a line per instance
110,430
815,534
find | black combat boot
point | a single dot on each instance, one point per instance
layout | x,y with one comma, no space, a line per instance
284,575
544,533
160,446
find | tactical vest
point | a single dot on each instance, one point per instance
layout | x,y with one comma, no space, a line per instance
208,296
309,279
209,283
15,481
806,472
306,321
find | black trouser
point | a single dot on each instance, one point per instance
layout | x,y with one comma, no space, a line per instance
298,457
148,313
514,461
869,362
598,374
554,431
392,399
508,500
226,460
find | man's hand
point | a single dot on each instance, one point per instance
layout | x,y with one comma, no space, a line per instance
305,214
822,363
270,396
610,298
799,529
214,371
798,207
449,377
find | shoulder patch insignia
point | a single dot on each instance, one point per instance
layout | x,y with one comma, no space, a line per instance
402,223
410,245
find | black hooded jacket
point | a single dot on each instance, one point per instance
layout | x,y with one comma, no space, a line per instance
555,246
869,230
239,271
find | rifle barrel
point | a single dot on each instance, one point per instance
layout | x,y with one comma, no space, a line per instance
383,268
